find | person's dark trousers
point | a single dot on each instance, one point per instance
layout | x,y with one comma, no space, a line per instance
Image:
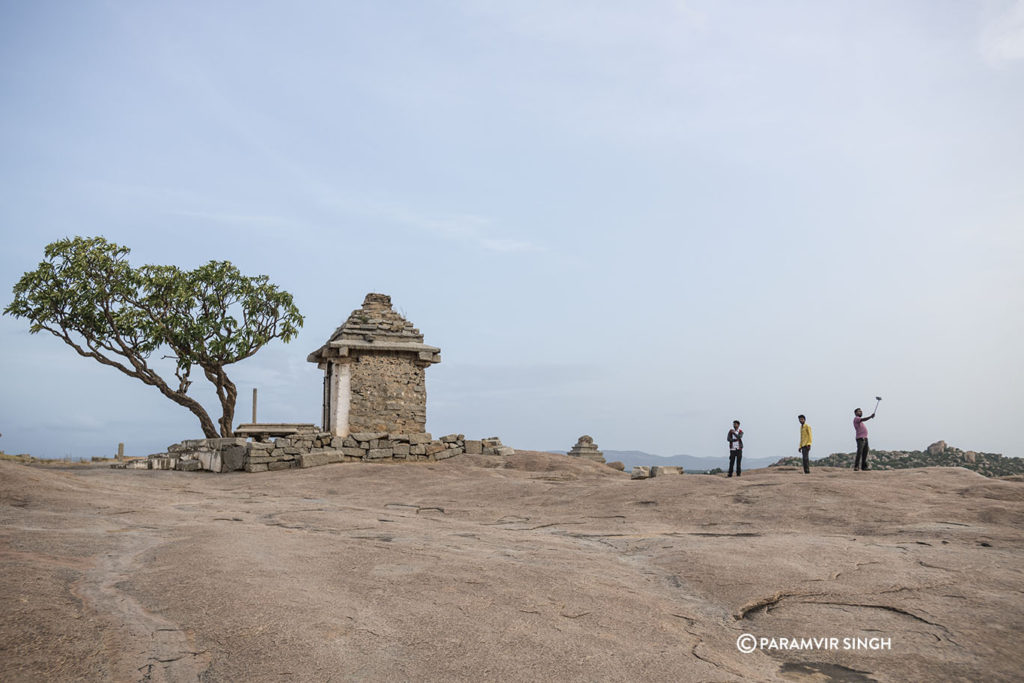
806,450
860,461
734,459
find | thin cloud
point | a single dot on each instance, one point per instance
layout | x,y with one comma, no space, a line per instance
237,218
507,246
1002,40
468,229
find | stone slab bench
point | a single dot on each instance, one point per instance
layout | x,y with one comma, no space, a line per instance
264,430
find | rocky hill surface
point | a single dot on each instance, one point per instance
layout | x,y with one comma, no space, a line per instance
939,454
523,567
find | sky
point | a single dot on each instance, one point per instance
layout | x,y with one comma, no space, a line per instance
637,221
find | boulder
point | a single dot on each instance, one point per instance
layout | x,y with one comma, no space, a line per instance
662,470
640,472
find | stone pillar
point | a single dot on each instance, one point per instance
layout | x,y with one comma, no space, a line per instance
340,399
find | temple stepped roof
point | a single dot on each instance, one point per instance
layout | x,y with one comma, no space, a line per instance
376,326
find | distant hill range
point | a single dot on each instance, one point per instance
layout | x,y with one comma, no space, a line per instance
939,454
689,463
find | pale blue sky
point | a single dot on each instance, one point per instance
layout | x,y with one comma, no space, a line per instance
634,220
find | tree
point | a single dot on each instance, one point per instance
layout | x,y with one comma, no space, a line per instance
89,296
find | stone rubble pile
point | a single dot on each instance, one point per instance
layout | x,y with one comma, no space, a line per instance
586,448
311,449
645,472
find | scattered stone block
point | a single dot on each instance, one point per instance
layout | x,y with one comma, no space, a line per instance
232,457
663,470
504,450
368,436
616,465
640,472
318,459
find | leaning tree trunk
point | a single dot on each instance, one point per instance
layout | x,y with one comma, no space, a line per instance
227,394
209,429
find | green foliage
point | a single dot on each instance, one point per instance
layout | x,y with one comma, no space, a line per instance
87,294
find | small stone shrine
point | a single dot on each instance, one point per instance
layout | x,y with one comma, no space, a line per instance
374,378
586,448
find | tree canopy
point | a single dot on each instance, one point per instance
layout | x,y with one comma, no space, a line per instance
87,294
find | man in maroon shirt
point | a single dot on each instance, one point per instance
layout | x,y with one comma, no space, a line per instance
860,461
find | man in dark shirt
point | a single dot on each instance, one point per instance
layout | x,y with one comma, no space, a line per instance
735,439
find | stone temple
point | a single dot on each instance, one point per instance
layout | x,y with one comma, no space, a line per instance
374,372
586,448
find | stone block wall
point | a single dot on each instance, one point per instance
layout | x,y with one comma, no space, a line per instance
312,449
389,394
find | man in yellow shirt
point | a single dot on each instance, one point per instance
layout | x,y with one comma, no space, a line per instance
805,443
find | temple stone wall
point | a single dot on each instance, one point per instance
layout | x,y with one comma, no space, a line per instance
388,394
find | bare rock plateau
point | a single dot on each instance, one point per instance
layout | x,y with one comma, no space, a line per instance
521,567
